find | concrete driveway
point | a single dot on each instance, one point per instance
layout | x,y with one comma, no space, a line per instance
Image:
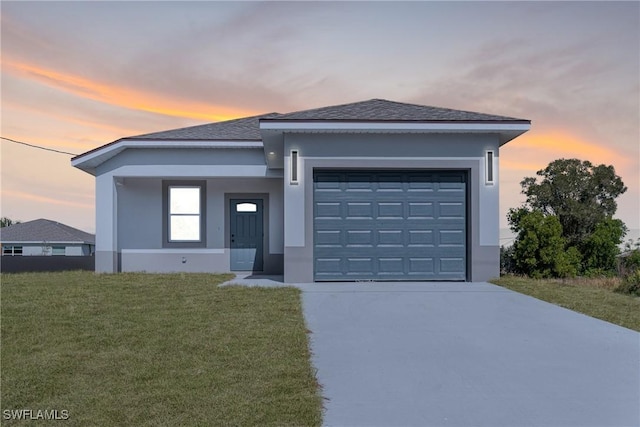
466,354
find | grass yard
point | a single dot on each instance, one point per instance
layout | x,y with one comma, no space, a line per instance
143,349
593,297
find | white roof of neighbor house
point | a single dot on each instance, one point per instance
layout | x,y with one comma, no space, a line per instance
44,230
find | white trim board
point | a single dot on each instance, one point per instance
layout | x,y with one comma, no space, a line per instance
179,251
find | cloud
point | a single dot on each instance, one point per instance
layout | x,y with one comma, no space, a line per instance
199,64
44,199
122,96
535,150
560,143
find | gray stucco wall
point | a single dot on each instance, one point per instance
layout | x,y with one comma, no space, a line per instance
129,207
129,198
139,237
393,151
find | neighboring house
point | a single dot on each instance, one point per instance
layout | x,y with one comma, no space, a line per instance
373,190
43,237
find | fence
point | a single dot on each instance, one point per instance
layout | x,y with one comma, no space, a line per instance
21,264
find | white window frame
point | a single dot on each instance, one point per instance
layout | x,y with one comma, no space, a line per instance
58,248
185,215
10,250
167,242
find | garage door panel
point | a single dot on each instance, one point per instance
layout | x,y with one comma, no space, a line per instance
390,238
359,265
451,265
359,238
328,238
328,266
390,265
451,238
328,210
358,182
389,225
420,265
420,238
420,210
392,209
420,183
451,210
393,184
359,210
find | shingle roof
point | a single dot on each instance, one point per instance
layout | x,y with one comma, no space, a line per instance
384,110
44,230
247,128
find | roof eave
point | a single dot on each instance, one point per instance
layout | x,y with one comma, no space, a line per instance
394,126
49,242
90,160
507,129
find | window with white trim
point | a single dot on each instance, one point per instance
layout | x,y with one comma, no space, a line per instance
12,250
184,213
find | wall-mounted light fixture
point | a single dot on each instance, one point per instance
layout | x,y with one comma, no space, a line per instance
293,170
489,179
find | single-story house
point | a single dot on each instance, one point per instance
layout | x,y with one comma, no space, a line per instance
43,237
372,190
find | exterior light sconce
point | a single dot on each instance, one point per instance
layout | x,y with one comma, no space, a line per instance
489,173
293,170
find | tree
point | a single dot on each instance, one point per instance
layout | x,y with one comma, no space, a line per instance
580,194
600,248
582,198
6,222
539,248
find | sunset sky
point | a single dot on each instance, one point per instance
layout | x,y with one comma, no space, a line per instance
77,75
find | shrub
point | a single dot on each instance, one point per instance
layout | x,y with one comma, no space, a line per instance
631,284
600,249
630,262
539,249
507,261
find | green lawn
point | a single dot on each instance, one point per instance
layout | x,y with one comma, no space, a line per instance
594,298
142,349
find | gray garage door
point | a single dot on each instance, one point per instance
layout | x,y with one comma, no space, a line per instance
389,225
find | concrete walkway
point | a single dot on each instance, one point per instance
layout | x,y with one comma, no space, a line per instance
466,354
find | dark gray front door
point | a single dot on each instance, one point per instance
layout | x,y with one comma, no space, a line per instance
389,225
246,234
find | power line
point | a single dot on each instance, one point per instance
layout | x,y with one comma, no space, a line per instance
37,146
